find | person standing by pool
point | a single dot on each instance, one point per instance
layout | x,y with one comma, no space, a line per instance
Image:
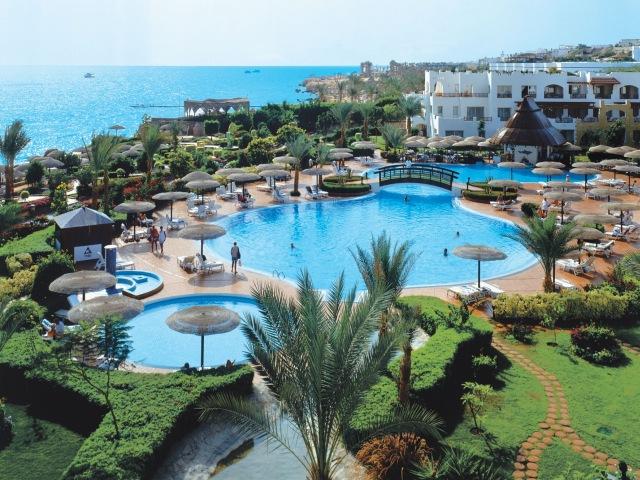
162,237
153,238
544,207
235,257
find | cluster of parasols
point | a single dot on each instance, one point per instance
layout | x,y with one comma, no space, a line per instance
198,320
450,141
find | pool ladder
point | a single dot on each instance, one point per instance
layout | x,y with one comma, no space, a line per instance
278,274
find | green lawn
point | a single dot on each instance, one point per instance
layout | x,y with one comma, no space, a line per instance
602,400
39,449
520,404
558,458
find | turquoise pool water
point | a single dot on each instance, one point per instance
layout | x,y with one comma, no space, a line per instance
323,233
156,345
138,283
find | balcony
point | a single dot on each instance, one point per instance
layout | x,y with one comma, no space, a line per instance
463,94
477,119
564,120
578,95
504,95
628,96
552,95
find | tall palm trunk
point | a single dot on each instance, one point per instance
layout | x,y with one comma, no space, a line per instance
404,379
343,134
105,198
408,125
365,129
296,179
9,179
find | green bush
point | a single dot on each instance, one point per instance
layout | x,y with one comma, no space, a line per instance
24,194
50,268
211,127
37,244
28,311
18,262
596,306
529,209
485,368
597,345
483,196
153,410
348,186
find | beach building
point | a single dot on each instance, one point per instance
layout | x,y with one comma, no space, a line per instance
479,103
83,233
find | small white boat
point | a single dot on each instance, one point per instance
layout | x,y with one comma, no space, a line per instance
89,75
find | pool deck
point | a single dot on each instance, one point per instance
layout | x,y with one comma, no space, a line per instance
178,282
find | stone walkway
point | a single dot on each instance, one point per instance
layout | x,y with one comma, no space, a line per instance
557,424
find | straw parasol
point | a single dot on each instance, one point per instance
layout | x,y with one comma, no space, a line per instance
134,207
550,165
118,305
616,151
202,185
202,232
416,143
286,160
586,172
203,320
570,147
225,172
628,169
244,177
481,253
626,148
82,281
585,165
475,138
340,156
170,197
587,233
341,149
267,166
197,175
595,218
634,154
454,138
487,145
563,197
116,128
511,166
606,192
437,144
622,207
48,162
547,171
465,144
504,183
273,174
599,149
435,138
367,145
563,185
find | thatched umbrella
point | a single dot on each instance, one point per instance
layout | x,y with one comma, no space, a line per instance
547,171
242,178
196,175
48,162
475,138
225,172
117,305
82,281
622,207
435,138
438,144
586,172
170,197
563,197
587,233
202,232
416,143
606,192
487,145
626,148
599,149
203,320
341,150
454,138
116,128
272,175
570,147
504,184
462,144
286,160
511,166
340,156
481,253
202,186
629,170
367,145
563,185
550,165
585,165
267,166
595,218
616,151
134,207
633,155
317,172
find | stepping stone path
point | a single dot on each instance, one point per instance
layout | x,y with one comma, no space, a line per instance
557,424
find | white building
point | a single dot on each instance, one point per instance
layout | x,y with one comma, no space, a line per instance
456,102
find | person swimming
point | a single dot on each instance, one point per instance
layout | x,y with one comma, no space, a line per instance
457,234
446,252
406,199
292,246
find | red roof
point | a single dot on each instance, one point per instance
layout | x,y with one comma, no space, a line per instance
603,81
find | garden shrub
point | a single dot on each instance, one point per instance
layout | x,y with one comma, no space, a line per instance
521,332
347,187
36,243
28,311
485,368
50,268
529,209
24,194
483,196
597,345
393,456
6,426
18,262
594,306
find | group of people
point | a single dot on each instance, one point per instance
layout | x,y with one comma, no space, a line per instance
53,330
157,239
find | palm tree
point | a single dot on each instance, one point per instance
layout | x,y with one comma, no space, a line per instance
9,323
342,113
322,154
408,319
100,151
299,148
371,89
14,141
341,86
547,242
410,106
152,138
354,87
366,110
393,137
175,128
321,92
319,359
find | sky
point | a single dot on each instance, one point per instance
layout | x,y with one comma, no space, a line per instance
298,32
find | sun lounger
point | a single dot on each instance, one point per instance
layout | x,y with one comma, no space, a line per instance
467,294
604,249
621,233
278,196
577,268
223,194
491,289
187,263
502,205
176,223
101,264
320,193
264,188
561,284
310,195
206,267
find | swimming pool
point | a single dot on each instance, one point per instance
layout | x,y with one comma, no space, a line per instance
156,345
323,233
138,283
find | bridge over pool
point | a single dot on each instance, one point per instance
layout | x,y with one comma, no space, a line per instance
417,173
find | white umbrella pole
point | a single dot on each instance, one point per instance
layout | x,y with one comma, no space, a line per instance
201,352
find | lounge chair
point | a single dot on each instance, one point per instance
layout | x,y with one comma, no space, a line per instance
622,233
211,208
577,268
320,193
223,194
503,206
467,294
175,223
491,289
243,201
561,284
278,196
264,188
207,266
187,263
101,264
603,249
310,195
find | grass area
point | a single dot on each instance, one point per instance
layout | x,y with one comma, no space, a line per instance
630,334
39,448
598,397
35,242
558,459
514,413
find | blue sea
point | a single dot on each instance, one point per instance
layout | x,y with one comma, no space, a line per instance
60,107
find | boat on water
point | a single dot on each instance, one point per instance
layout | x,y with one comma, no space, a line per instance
89,75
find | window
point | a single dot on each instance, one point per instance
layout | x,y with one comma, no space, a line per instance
439,111
569,135
459,133
528,90
504,91
504,114
475,113
456,111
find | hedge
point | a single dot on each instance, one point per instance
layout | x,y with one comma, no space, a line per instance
601,306
486,197
153,410
438,369
35,244
350,186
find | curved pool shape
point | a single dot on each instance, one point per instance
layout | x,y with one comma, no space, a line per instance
324,232
156,345
138,283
